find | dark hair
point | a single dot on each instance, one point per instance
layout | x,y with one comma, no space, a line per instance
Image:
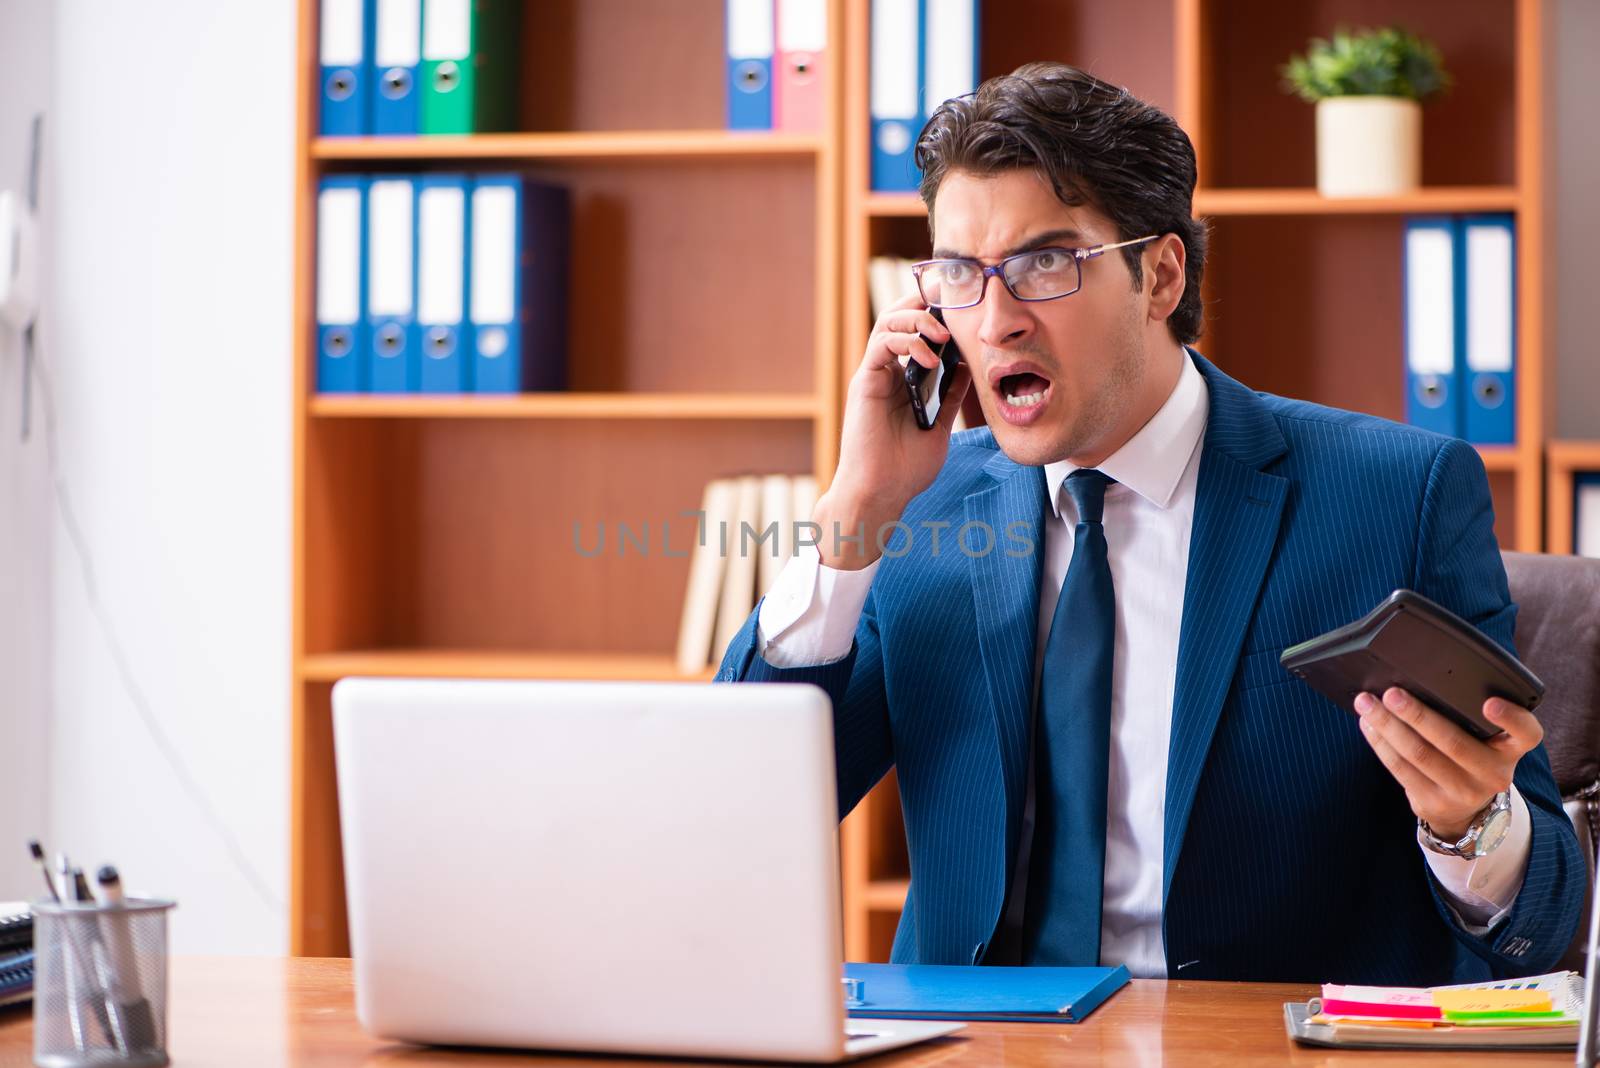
1096,144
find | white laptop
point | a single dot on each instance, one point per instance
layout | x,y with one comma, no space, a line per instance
603,866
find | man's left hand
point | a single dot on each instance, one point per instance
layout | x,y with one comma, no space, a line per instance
1449,776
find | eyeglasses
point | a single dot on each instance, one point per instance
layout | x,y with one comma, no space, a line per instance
1041,274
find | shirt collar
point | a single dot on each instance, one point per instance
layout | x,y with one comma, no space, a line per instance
1152,462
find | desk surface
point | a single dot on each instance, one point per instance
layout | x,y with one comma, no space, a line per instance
246,1011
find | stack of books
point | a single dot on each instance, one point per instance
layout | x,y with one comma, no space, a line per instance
1539,1011
889,278
750,527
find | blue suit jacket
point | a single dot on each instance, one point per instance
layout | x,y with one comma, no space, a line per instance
1290,853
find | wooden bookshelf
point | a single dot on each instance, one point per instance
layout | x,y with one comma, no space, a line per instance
887,895
477,664
434,535
1567,460
1286,312
645,145
1211,202
423,541
570,406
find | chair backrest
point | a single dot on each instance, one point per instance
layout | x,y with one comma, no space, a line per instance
1558,637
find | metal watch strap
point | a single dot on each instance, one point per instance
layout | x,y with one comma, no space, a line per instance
1466,846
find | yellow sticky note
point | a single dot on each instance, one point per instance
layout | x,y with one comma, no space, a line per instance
1491,1000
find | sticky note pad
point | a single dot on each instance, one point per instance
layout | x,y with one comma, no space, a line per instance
1492,1000
1379,995
1518,1017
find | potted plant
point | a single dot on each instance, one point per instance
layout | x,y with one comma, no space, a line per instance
1368,87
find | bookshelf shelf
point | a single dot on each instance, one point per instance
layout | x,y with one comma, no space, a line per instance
661,145
462,663
893,205
1501,458
887,895
1283,202
569,406
1310,202
1575,455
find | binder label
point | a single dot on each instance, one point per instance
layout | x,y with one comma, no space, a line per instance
1430,296
803,25
339,256
494,254
894,59
952,45
341,32
1489,298
750,29
447,29
399,37
441,237
390,244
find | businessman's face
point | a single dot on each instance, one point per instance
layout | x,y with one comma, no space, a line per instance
1057,379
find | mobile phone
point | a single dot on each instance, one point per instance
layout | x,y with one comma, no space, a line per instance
928,389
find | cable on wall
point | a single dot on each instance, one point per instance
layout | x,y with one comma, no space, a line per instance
38,367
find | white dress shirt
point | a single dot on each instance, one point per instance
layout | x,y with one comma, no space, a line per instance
810,616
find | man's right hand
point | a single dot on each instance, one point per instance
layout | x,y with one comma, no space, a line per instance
885,459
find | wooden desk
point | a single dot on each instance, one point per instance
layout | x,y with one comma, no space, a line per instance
235,1012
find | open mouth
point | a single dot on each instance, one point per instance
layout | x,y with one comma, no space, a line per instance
1025,390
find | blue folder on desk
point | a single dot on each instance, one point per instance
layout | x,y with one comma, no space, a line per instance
955,992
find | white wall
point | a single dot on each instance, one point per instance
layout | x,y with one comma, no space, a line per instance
25,36
173,138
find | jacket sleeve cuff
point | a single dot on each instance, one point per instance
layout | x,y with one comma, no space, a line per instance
1481,891
810,615
1541,922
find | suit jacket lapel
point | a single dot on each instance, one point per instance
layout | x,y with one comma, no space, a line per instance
1238,511
1005,594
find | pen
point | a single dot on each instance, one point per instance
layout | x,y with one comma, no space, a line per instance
44,868
73,972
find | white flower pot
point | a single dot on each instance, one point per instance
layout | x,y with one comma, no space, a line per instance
1368,146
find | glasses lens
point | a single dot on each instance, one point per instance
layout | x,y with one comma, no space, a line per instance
1042,274
950,283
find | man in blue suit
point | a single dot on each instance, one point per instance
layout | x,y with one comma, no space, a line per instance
1063,629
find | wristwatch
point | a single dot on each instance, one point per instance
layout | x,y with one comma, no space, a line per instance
1487,831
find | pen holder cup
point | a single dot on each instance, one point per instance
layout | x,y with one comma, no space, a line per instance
100,984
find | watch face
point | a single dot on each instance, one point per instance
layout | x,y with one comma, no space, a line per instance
1494,830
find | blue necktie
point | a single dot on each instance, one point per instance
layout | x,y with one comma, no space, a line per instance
1072,742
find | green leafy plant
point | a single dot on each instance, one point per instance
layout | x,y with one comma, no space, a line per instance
1384,62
